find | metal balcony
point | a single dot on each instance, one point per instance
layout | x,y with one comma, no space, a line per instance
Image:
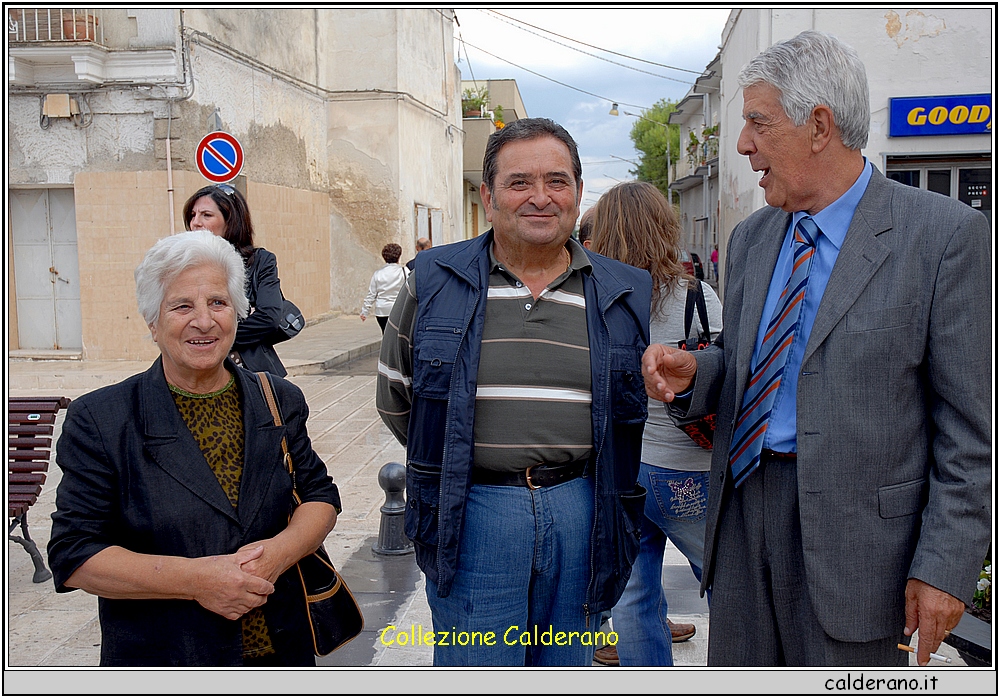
51,25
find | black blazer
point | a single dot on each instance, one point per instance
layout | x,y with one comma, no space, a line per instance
133,476
256,333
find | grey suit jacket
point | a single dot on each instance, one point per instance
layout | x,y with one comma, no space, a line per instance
893,403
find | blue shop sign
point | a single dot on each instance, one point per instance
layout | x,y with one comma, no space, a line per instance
940,116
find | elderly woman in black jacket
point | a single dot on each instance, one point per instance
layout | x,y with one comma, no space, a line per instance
222,210
174,502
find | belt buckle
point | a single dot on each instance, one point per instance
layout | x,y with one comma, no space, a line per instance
527,477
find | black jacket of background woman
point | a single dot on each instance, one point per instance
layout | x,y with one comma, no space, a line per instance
133,476
259,332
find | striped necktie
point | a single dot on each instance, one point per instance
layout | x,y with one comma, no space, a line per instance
758,399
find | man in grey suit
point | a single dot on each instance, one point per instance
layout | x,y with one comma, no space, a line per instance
850,498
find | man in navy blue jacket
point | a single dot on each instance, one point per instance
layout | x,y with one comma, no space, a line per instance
510,369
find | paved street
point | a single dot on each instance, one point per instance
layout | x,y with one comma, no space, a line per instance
49,629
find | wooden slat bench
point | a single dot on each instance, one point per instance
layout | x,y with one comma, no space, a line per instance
29,441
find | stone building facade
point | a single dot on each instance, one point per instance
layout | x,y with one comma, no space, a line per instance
349,118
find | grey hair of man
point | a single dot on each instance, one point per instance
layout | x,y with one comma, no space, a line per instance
811,69
523,130
174,254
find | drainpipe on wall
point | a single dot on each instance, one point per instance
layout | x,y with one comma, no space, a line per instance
705,183
706,118
188,72
170,170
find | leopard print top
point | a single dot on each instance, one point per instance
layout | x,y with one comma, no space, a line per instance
216,422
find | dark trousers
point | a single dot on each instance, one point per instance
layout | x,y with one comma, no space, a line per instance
762,614
382,320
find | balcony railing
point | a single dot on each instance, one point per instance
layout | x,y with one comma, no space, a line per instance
33,25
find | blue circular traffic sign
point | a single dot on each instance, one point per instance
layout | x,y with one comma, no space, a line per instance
219,157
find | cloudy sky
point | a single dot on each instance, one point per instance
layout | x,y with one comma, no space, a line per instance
680,38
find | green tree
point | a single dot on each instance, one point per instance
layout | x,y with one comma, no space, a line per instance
650,141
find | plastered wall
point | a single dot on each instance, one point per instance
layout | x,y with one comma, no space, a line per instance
112,239
294,225
119,215
348,118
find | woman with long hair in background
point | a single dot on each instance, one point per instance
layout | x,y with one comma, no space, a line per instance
634,223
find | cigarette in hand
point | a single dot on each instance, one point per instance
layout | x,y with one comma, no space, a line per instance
934,655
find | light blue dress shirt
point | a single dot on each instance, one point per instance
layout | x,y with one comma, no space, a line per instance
833,222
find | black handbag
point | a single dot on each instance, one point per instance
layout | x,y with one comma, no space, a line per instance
701,430
290,322
334,616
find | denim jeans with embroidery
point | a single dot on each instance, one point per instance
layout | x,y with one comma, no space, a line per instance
675,509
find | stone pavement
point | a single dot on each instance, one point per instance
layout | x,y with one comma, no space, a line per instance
49,629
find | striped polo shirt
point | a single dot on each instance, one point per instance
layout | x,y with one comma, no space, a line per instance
533,390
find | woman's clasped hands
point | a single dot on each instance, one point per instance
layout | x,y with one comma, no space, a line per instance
226,588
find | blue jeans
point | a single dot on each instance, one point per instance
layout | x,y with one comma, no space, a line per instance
523,564
675,509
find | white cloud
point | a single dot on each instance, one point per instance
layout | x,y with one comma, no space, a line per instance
666,35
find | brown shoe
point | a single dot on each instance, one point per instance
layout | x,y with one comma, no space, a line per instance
679,632
607,655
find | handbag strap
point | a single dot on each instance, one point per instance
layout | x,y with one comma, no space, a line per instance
696,298
689,304
702,312
267,390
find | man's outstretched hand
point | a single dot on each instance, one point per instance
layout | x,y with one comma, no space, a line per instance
667,371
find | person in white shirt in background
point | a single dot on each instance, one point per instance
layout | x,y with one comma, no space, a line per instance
385,285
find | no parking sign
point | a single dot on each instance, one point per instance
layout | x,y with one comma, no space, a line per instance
219,157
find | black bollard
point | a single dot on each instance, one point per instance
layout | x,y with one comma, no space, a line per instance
392,539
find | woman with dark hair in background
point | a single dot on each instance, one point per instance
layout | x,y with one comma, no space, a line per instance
222,210
385,285
635,224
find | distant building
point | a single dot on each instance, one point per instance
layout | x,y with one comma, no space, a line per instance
352,131
696,176
478,129
930,72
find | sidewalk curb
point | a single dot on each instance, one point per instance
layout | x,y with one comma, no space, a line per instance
360,352
311,367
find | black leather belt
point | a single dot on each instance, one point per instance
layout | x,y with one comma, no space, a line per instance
541,475
774,455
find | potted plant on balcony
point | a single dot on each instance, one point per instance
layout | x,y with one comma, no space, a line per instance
498,117
693,147
710,138
700,150
473,100
79,26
